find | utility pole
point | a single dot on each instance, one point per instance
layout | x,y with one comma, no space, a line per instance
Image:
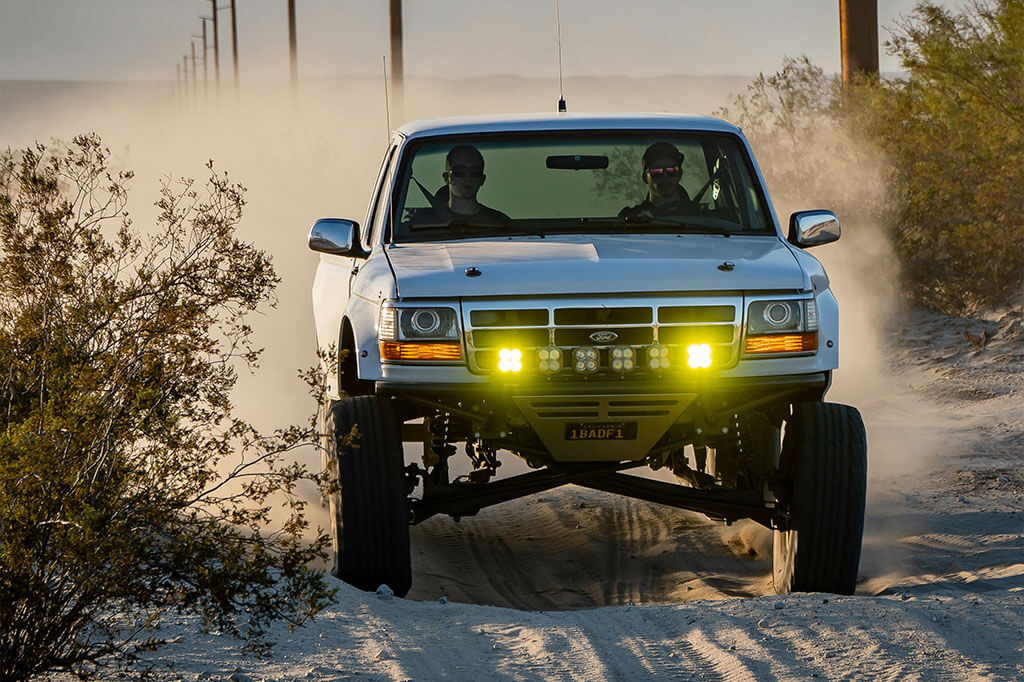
216,47
206,80
184,71
858,37
234,43
397,65
292,47
194,84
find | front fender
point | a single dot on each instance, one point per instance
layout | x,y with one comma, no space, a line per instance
372,285
349,292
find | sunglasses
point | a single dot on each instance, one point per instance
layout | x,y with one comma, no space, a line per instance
670,171
462,172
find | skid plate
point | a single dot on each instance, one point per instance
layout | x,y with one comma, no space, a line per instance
577,428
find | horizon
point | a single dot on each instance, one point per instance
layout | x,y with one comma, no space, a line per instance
108,41
413,76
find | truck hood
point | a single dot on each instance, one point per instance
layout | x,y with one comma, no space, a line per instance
593,265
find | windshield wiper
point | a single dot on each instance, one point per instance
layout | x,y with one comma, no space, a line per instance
679,225
468,224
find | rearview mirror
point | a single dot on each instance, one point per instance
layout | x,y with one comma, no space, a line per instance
336,236
812,228
577,162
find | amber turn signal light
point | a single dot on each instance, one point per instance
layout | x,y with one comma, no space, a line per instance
782,343
393,350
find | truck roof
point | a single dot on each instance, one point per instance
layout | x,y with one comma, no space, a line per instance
536,122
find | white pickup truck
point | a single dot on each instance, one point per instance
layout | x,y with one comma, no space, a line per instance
593,294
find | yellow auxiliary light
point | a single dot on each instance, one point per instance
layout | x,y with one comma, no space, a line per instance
510,360
698,355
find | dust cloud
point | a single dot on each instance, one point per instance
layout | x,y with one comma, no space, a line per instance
908,433
315,153
864,273
302,155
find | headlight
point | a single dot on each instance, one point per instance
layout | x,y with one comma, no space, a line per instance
774,317
782,326
418,324
419,334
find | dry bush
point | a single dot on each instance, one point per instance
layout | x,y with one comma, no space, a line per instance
955,131
936,157
128,488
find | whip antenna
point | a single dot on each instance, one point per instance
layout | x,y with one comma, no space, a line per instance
558,39
387,104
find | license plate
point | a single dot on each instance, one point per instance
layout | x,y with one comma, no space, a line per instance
601,431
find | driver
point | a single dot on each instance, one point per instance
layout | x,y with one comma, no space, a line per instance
662,172
464,176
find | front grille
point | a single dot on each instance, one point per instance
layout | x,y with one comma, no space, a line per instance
602,316
624,336
520,338
635,323
696,333
509,318
696,314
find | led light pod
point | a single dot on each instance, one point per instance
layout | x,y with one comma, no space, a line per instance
510,360
657,357
586,360
698,355
550,359
622,359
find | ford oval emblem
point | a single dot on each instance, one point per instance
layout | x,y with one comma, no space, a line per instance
603,337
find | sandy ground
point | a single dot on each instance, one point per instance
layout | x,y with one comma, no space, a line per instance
576,584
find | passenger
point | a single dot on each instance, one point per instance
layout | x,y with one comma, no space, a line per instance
463,176
662,172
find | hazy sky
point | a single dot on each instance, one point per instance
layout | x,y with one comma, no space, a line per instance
145,39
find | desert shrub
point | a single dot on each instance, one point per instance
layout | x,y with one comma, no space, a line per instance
128,488
936,157
954,129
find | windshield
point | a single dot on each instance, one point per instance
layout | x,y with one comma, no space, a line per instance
557,183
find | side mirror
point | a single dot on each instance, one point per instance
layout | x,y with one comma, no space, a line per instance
811,228
336,236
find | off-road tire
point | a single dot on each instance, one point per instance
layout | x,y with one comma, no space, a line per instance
369,508
824,457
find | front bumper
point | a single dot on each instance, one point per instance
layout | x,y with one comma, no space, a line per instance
724,387
605,421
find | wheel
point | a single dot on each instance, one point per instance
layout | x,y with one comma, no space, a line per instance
369,508
824,456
